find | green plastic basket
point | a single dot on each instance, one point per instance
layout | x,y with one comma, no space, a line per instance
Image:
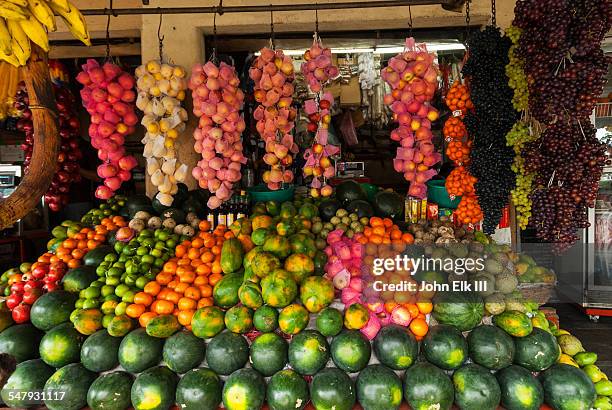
261,193
436,192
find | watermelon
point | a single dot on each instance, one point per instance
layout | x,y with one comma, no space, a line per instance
329,322
464,310
79,278
567,388
268,353
351,351
328,208
227,352
52,308
110,391
154,389
514,323
61,345
199,389
379,388
537,351
74,380
445,347
308,352
139,351
244,389
21,342
396,347
29,375
491,347
388,204
287,390
476,388
428,387
520,390
361,208
183,351
348,191
332,389
265,319
100,351
96,256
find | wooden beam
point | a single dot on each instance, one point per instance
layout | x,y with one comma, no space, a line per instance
46,142
117,50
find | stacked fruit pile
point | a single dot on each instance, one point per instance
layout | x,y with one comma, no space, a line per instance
413,78
565,79
460,182
161,89
24,22
68,158
273,75
217,103
492,118
319,70
108,96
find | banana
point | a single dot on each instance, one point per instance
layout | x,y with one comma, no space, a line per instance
35,31
10,58
11,11
74,20
20,3
60,4
21,43
5,38
43,13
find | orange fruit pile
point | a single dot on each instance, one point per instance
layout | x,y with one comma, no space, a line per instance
72,250
186,281
384,231
459,151
460,182
458,98
468,211
454,129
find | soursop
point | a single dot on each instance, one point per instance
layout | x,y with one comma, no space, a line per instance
506,283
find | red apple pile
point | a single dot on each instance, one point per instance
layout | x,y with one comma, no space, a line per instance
318,70
69,155
41,278
273,74
413,79
108,95
217,102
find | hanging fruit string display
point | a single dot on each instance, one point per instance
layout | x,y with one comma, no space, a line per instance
492,118
565,76
108,96
523,130
318,70
161,90
217,102
460,182
273,74
413,79
69,130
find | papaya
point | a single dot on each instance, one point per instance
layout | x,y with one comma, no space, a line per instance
88,321
231,255
250,295
163,326
225,292
514,323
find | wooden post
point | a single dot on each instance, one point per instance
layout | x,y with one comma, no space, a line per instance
46,142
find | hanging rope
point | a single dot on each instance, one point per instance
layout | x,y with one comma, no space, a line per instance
316,21
272,42
108,19
160,38
409,21
493,14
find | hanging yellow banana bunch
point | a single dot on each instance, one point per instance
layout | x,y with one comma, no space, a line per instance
28,21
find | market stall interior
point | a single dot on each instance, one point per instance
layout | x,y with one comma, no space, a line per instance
318,205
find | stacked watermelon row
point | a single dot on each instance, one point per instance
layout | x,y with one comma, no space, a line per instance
486,369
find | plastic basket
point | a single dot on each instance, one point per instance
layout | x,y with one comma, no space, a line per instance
436,192
261,193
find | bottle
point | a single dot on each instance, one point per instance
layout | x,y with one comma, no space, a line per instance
222,215
211,217
242,208
231,211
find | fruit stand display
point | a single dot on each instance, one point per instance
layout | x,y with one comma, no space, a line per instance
303,303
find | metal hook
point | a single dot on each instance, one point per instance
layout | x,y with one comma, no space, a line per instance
272,27
467,21
160,38
410,21
493,14
316,20
218,10
108,18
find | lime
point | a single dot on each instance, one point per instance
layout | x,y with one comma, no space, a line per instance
142,250
151,275
91,303
145,233
107,290
148,242
171,243
160,245
128,297
90,293
97,283
131,269
120,308
119,264
157,253
163,236
129,280
147,259
141,281
111,257
106,319
112,297
121,289
114,272
79,303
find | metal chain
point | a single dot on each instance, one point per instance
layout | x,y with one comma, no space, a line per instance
108,18
316,20
160,38
409,21
493,14
467,20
